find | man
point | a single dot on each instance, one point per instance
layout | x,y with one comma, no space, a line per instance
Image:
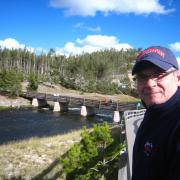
156,152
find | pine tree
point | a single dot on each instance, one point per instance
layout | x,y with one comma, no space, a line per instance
33,82
92,158
11,82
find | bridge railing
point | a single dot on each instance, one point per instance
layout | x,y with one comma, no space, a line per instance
81,101
133,119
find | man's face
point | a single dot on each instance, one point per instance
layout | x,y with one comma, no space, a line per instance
155,86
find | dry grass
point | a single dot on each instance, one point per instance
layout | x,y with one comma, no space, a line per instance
35,158
74,93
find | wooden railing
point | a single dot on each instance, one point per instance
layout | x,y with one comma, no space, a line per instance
109,105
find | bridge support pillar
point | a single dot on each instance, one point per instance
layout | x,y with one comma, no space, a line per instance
60,107
56,107
87,111
39,102
35,102
116,117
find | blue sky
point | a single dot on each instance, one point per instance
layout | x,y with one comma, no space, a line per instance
76,26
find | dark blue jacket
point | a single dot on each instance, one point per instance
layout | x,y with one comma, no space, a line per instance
156,153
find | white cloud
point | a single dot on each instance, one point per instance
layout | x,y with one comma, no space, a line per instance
88,28
89,8
175,46
79,25
11,43
94,29
178,60
92,43
87,45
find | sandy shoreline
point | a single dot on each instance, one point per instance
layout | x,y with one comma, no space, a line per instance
18,102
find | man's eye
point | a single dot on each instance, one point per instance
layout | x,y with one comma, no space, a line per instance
159,74
155,75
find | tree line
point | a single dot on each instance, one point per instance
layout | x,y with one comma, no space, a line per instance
103,71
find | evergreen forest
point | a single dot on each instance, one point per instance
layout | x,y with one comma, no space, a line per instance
105,71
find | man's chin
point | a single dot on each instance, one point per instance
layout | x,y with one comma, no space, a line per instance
151,102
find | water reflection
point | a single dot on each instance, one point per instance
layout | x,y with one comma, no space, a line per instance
20,124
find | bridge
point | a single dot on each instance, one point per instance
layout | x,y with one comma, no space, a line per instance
88,106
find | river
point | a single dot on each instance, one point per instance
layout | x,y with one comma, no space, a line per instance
18,124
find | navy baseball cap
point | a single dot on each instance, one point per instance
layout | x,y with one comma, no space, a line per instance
157,55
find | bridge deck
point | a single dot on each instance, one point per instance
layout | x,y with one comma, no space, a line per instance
81,101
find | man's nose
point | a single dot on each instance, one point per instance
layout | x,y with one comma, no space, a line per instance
150,82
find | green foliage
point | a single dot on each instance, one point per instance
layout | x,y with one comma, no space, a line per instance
94,156
106,87
88,72
129,91
73,159
33,82
11,81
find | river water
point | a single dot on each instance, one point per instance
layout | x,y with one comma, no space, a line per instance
18,124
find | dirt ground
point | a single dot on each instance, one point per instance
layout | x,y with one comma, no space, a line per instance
74,93
5,101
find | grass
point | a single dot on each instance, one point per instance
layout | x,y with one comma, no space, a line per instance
35,157
15,107
121,98
4,108
38,158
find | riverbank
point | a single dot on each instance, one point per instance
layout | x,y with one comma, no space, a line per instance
36,158
6,102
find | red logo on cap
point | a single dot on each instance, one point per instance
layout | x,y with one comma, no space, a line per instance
150,50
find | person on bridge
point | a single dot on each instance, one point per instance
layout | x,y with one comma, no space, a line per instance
156,151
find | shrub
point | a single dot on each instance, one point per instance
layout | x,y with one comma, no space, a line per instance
94,157
33,82
10,81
